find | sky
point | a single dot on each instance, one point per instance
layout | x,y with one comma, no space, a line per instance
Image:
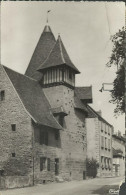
85,29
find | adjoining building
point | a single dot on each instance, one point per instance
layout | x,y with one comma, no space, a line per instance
42,118
99,141
118,144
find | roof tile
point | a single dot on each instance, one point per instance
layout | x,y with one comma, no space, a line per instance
33,98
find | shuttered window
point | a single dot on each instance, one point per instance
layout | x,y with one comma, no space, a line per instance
105,142
42,163
43,137
102,142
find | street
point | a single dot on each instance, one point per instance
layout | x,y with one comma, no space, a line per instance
85,187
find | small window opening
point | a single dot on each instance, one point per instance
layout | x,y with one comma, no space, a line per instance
13,127
42,163
2,95
13,154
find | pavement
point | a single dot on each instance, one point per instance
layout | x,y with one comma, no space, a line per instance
85,187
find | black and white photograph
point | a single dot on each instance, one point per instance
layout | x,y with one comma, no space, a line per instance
62,98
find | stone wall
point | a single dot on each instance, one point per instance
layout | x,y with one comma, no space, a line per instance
94,143
18,141
119,144
51,151
73,137
15,181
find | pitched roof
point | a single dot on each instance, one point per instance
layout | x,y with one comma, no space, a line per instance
84,93
78,104
93,114
59,110
42,50
121,138
33,98
117,152
58,56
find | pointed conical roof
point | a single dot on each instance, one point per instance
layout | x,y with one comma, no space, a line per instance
58,56
42,50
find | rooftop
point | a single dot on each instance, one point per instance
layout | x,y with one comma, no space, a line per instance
44,46
58,56
33,99
93,114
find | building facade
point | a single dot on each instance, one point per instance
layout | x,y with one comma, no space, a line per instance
118,144
43,135
99,142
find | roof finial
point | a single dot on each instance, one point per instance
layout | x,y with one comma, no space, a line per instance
47,16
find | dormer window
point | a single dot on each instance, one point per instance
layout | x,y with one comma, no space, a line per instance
2,95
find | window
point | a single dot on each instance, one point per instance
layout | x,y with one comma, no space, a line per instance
105,128
43,137
70,75
102,142
109,144
106,143
1,172
101,127
13,127
2,95
108,130
102,162
13,154
56,166
42,163
56,135
48,164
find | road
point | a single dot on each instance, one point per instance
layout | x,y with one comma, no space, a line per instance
85,187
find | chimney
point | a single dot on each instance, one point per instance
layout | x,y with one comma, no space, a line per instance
119,133
99,112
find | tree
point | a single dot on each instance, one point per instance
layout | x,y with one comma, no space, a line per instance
91,166
118,58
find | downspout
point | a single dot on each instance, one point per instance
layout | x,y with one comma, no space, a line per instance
33,151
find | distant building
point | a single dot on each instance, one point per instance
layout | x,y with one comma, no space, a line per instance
43,135
99,141
118,144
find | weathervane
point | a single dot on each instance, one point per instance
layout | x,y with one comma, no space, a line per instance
47,15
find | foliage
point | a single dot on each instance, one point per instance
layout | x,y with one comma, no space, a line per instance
118,51
118,58
91,166
118,92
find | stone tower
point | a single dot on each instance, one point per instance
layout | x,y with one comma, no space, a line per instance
56,75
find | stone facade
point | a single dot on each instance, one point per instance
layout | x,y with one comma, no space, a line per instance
73,135
99,132
118,145
23,141
15,146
